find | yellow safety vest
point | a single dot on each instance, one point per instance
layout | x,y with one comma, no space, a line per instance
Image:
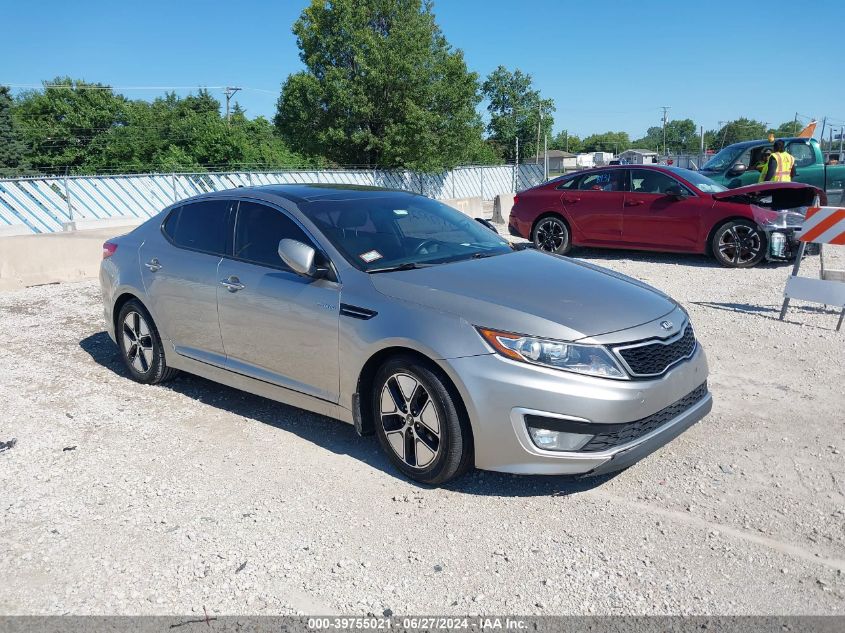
783,172
764,169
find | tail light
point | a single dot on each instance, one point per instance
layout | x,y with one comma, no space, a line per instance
515,200
108,249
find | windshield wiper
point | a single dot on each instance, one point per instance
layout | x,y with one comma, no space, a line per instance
405,266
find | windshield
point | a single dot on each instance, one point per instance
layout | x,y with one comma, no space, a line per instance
402,230
702,183
722,160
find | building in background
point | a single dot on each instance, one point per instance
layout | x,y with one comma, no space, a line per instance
584,160
602,158
638,157
560,161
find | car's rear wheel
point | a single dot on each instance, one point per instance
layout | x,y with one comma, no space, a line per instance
739,244
552,235
140,345
419,422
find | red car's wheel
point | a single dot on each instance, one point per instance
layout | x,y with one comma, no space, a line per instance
552,235
739,244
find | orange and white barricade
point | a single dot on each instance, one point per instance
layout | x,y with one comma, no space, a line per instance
822,225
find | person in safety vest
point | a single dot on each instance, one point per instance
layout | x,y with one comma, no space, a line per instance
763,165
781,165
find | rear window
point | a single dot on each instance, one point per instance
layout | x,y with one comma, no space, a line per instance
199,226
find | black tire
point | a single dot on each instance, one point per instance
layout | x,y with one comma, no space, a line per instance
140,345
739,244
552,235
453,455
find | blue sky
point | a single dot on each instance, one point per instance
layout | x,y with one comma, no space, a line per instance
608,65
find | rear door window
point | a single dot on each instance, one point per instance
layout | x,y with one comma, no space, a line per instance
608,180
199,226
258,231
802,153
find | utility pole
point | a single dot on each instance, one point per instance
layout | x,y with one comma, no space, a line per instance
821,136
545,156
725,135
229,92
539,121
701,158
841,136
665,120
795,125
516,165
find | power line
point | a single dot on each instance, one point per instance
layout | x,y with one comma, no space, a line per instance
108,87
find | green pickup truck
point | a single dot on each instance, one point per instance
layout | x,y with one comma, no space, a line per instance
732,166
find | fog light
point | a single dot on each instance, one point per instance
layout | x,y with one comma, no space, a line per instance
557,440
777,245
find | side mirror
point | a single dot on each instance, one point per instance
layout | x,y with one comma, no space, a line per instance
299,257
675,192
737,170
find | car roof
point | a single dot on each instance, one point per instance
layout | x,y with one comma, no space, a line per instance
671,168
785,139
302,194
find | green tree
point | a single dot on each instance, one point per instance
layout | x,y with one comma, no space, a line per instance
12,148
681,137
607,142
189,134
64,125
566,142
787,129
382,86
515,108
741,129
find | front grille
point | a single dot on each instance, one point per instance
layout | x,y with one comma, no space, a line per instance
652,359
624,433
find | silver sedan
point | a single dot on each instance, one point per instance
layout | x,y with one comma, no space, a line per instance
398,314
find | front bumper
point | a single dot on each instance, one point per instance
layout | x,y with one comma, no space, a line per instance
782,245
499,393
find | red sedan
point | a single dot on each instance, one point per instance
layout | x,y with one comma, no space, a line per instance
662,208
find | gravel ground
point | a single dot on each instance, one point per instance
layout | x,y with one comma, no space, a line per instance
122,498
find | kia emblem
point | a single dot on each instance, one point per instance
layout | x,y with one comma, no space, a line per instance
667,325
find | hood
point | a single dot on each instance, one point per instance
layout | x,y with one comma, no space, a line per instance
530,292
794,194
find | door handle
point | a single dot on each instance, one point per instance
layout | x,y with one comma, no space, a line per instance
153,265
633,203
571,200
232,284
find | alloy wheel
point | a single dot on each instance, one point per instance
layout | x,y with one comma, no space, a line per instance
740,244
137,342
410,420
550,235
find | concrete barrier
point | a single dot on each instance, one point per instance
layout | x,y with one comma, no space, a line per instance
473,207
14,229
502,205
30,260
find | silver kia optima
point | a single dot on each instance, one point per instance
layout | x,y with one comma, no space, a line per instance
402,316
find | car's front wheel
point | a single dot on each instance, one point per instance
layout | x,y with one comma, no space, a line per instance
552,235
419,422
739,244
140,345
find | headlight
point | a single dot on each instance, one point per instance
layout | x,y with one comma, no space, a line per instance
592,360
